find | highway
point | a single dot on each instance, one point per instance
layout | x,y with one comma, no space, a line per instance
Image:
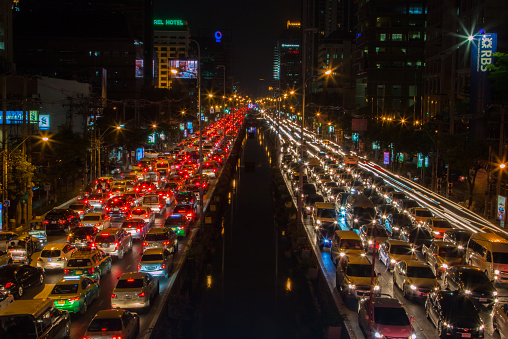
460,217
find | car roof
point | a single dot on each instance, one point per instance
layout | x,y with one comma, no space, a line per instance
36,307
154,251
397,242
416,263
94,214
109,314
347,234
358,259
132,275
442,243
110,231
73,281
157,230
386,302
55,246
325,205
83,253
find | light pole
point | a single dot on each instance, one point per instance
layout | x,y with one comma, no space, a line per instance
98,143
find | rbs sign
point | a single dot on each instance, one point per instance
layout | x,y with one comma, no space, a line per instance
482,50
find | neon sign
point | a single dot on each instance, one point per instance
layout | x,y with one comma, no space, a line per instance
218,36
168,22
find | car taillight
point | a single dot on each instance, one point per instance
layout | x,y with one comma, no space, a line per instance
46,222
163,266
9,285
139,267
116,245
66,272
61,221
91,270
117,337
146,215
166,242
141,295
60,259
113,296
39,259
107,208
73,299
145,243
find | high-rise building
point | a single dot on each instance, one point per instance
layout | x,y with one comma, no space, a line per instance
287,59
6,53
389,57
171,42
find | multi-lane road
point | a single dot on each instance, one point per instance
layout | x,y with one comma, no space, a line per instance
439,205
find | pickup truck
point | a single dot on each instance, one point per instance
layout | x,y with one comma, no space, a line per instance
442,254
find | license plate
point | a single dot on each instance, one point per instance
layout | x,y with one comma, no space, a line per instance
482,300
53,222
466,335
79,272
61,302
128,297
78,241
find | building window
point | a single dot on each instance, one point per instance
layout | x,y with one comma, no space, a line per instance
396,37
382,37
412,90
403,50
382,22
2,45
380,50
415,10
396,90
414,36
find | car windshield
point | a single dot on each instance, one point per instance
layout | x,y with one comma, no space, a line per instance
326,213
156,237
129,283
50,253
423,213
352,244
400,249
77,206
442,224
91,218
65,289
420,272
500,257
474,277
79,263
175,220
105,325
380,232
81,231
151,200
395,316
359,270
17,326
105,238
131,224
449,252
459,309
152,257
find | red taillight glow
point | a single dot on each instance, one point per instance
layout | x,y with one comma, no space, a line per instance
73,299
66,272
91,270
139,267
113,296
163,266
145,243
130,280
141,295
9,285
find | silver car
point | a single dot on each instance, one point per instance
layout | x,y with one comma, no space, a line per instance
161,238
156,261
135,290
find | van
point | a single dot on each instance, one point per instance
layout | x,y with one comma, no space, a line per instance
359,211
324,219
34,318
345,242
489,252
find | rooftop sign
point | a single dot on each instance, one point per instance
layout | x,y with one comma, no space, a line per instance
168,22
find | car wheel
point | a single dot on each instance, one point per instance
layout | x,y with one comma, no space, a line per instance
20,291
41,279
120,255
427,313
67,331
404,291
439,329
84,308
109,267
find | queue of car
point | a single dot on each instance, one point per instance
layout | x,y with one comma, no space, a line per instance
432,261
93,242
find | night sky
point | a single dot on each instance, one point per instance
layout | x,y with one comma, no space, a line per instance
256,26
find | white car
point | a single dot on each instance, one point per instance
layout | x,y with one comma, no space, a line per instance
143,212
135,290
99,220
55,256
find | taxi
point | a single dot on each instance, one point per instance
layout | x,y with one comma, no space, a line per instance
415,279
156,261
419,215
75,295
353,276
179,223
437,227
90,263
367,233
113,324
393,251
98,219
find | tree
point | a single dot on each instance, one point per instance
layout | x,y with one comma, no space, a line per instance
498,76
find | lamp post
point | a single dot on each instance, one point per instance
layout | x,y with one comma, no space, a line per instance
98,147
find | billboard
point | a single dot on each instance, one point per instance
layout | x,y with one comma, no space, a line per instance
482,50
187,69
16,117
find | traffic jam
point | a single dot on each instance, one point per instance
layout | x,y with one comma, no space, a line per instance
404,261
98,266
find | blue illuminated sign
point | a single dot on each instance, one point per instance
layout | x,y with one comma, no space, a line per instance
218,36
44,122
189,124
16,117
482,50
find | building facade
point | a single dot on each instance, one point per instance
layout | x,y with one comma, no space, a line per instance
6,51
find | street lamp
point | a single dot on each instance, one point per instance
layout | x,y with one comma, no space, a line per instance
97,147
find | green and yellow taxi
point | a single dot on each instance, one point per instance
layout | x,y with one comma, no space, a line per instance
179,223
91,263
75,295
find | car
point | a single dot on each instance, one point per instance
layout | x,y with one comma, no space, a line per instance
21,248
419,215
392,251
387,318
472,282
98,200
62,219
414,278
354,276
371,233
179,223
55,256
135,196
416,237
454,315
99,220
442,254
156,204
135,290
310,203
396,221
5,237
16,278
82,208
437,226
5,300
384,211
185,198
458,237
116,208
75,295
186,210
82,237
136,227
161,238
143,212
114,241
500,319
115,323
156,261
90,263
210,169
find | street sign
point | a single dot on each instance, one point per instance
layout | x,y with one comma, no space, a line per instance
47,187
7,203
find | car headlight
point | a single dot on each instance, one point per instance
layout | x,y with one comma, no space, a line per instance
396,228
412,336
342,254
318,222
447,325
351,286
308,208
355,220
494,293
376,288
413,287
370,242
460,247
378,335
436,232
467,291
445,266
481,328
496,271
393,261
